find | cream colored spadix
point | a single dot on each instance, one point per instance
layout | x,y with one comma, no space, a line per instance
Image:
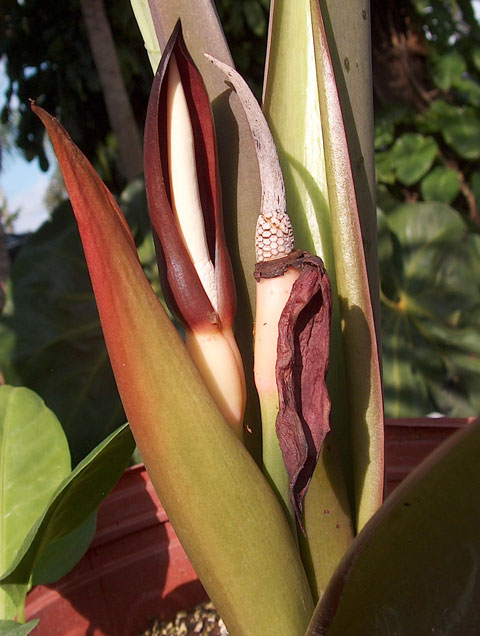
213,348
273,240
184,182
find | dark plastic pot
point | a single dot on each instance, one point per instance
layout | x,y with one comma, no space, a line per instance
136,569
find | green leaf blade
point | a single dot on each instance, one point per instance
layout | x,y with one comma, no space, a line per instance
362,363
60,556
412,156
413,568
441,184
34,459
76,498
11,628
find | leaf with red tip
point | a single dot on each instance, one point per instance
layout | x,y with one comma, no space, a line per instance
199,468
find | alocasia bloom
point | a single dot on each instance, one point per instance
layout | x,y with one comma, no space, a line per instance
225,514
292,328
185,205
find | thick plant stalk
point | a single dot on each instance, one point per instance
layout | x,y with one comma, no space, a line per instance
359,335
272,296
290,90
292,330
349,37
274,239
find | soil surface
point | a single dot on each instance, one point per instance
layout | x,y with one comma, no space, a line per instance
201,621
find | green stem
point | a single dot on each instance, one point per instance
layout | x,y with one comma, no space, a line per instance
273,464
21,612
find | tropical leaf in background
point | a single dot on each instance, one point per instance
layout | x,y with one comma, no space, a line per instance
427,155
49,512
50,332
431,309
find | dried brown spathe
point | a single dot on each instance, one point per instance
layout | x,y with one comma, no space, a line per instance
302,363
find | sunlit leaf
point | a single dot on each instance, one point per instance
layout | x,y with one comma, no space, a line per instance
441,184
75,499
412,156
34,460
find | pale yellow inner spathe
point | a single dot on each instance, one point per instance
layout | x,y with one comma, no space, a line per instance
184,183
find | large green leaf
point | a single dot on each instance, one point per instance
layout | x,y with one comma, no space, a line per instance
441,184
51,335
33,461
431,291
414,567
75,499
60,556
412,156
459,126
11,628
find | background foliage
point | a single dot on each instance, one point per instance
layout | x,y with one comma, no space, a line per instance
427,149
426,62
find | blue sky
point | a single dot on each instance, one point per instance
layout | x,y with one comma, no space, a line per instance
23,183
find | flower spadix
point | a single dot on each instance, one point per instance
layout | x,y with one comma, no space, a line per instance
292,328
184,200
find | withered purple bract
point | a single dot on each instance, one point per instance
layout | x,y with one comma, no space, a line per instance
181,284
302,363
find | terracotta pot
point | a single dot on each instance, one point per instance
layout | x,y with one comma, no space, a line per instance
136,569
409,441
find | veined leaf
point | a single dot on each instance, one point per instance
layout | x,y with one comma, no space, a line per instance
75,499
34,460
431,286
